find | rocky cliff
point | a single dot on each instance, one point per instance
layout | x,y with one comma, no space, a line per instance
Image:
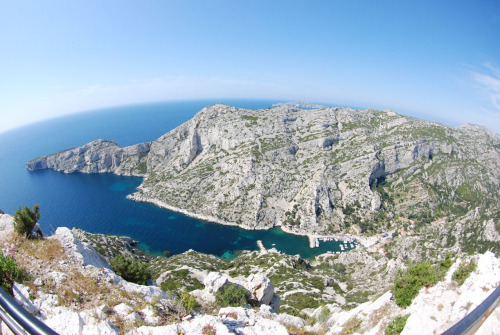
310,171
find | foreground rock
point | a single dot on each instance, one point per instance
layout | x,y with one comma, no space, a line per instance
311,171
260,290
433,311
73,291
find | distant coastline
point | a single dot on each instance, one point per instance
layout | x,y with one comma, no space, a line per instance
298,104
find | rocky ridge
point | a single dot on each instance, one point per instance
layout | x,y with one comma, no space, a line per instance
310,171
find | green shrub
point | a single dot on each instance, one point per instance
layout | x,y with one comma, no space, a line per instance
231,295
407,284
25,220
1,212
463,271
324,315
445,264
180,279
130,269
188,301
9,272
396,326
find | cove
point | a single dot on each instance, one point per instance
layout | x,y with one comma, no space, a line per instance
97,203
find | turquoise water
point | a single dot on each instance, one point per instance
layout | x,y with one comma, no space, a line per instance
98,204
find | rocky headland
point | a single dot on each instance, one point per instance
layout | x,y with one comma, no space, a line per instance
322,171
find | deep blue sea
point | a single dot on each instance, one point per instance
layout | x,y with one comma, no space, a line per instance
98,204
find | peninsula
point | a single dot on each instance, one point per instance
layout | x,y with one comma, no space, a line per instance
321,171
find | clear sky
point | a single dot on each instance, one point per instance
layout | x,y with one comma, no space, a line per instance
439,60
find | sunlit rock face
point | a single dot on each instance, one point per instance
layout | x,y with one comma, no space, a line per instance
310,171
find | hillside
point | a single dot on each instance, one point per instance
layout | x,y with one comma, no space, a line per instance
325,171
73,289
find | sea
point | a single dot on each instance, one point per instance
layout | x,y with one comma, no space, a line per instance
97,203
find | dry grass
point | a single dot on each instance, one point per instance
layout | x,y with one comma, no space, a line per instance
208,330
77,287
47,250
351,326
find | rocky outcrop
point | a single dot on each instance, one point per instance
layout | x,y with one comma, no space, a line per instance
77,251
230,320
259,287
433,311
100,156
309,171
439,307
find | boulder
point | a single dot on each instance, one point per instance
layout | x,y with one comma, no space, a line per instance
66,322
122,310
260,288
215,281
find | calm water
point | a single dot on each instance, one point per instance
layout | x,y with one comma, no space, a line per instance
97,203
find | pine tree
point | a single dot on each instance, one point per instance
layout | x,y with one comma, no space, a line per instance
25,220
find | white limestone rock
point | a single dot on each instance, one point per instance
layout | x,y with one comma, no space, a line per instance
260,288
439,307
132,317
77,251
6,226
22,296
213,282
150,316
289,320
373,316
98,156
123,310
66,323
103,328
46,304
103,311
161,330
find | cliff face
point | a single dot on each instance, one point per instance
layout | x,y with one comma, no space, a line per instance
308,170
98,156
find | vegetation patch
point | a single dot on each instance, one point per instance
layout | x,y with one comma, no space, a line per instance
180,279
396,326
463,271
231,295
408,283
131,269
9,272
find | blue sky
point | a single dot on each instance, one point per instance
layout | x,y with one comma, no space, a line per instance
439,60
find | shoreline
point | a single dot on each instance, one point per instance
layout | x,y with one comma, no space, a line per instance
139,197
